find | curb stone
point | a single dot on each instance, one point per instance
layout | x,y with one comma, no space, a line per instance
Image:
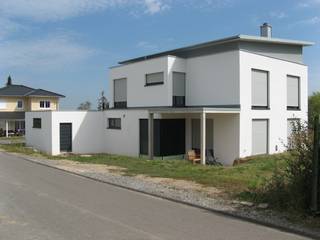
247,213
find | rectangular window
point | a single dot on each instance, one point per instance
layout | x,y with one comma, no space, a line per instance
154,78
114,123
260,136
37,123
120,93
260,89
293,93
45,104
20,104
179,89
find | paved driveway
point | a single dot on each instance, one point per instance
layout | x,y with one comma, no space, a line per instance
39,203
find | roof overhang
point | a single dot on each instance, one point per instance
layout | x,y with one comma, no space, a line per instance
237,38
187,110
12,115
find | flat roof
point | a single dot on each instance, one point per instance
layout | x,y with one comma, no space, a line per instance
236,38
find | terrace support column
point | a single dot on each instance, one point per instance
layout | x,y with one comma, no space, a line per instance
150,135
203,137
7,128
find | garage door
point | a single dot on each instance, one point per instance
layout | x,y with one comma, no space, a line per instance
65,137
259,136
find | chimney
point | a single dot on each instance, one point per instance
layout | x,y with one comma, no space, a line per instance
266,30
9,81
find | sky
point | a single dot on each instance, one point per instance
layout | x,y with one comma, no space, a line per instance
67,46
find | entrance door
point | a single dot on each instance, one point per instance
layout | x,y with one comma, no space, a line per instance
65,137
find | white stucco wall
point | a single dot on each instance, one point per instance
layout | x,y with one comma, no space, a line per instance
87,134
139,95
41,139
278,114
213,79
87,131
124,141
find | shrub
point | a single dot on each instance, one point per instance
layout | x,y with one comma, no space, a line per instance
290,187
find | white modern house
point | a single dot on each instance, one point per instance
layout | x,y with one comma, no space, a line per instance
235,96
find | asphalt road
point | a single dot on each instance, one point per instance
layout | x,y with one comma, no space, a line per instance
40,203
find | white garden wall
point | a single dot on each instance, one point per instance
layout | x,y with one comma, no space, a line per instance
40,139
87,131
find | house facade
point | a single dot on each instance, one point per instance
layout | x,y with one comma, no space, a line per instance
233,97
15,100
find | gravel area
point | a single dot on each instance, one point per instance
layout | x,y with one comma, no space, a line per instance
181,191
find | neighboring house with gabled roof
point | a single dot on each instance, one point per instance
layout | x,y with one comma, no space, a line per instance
15,100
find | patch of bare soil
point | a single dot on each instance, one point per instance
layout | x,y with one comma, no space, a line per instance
182,185
169,182
87,167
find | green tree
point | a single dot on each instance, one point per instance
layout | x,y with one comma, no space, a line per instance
103,103
85,106
314,105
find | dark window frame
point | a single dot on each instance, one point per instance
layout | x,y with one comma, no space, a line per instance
45,104
295,108
20,101
123,104
37,123
154,83
180,101
112,123
253,107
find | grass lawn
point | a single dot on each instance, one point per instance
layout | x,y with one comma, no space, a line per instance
232,180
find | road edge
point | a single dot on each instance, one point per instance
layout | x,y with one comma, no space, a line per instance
233,215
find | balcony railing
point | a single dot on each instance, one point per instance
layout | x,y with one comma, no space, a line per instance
120,104
179,101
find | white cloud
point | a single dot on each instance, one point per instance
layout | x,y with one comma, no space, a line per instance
54,10
48,53
155,6
147,46
8,27
311,21
278,15
308,3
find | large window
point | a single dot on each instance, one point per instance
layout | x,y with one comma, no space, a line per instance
260,89
154,78
114,123
179,89
36,123
120,93
45,104
293,93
